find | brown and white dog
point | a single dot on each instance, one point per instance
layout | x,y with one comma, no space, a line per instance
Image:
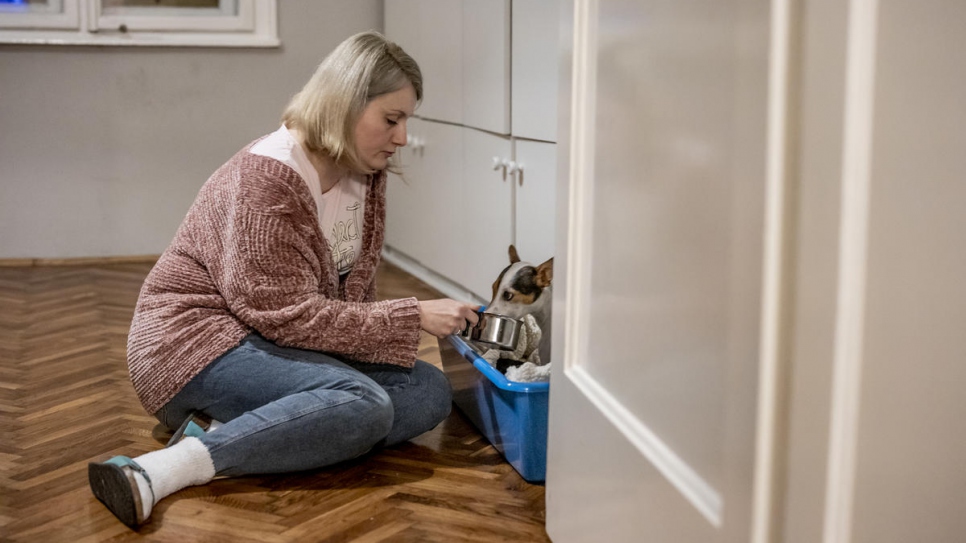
522,289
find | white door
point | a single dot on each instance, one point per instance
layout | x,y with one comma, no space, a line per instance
659,278
857,347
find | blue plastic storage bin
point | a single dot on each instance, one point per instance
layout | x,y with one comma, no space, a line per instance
512,415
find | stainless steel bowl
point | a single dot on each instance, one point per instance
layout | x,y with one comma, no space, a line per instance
496,330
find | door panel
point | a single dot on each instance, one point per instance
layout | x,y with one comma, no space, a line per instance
660,185
663,199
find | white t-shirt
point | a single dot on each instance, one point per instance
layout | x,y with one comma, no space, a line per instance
340,209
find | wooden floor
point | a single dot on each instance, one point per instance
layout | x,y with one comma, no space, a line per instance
65,400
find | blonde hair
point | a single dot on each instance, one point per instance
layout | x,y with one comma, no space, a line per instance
327,108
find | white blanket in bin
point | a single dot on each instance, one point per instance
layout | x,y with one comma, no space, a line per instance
532,370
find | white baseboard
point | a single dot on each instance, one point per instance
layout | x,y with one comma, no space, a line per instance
446,286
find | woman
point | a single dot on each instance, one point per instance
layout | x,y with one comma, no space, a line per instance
262,313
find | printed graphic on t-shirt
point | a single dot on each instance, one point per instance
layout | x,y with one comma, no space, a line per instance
344,233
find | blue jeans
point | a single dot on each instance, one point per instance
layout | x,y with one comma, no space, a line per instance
286,409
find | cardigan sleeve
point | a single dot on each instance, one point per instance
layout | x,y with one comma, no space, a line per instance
266,260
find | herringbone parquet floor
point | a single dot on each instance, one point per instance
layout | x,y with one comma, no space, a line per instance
65,400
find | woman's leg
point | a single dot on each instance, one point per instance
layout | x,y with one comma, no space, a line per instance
421,397
283,409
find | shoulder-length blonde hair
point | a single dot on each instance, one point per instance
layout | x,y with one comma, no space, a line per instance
327,108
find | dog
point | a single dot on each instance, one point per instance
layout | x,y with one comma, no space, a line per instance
521,289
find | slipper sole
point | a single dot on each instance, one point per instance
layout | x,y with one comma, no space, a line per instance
112,487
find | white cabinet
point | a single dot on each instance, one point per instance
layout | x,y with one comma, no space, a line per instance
457,215
486,213
486,65
535,59
535,201
403,195
443,174
423,216
431,31
463,50
451,210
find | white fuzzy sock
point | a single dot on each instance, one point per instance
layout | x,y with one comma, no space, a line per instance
184,464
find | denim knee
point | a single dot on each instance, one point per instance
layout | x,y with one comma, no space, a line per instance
378,413
443,395
436,392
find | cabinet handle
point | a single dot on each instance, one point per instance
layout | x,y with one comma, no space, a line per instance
415,143
509,167
516,170
500,164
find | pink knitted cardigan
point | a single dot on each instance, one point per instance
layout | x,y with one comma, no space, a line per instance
250,256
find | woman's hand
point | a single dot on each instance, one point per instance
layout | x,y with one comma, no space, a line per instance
444,317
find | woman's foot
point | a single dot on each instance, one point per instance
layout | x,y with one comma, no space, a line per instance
131,488
124,487
196,425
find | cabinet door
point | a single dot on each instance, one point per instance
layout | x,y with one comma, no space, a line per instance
422,207
536,49
401,19
536,196
431,31
405,194
440,239
486,65
487,222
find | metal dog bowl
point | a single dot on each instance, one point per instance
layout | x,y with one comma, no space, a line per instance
496,330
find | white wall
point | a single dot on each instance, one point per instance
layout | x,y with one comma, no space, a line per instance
102,150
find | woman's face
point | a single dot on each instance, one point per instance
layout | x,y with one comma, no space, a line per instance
382,126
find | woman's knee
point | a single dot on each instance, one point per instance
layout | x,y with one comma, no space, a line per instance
377,412
437,391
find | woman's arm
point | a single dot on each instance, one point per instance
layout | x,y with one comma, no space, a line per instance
264,255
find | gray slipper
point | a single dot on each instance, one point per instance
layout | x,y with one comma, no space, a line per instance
113,483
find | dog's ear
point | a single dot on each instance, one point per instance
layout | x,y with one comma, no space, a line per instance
514,257
545,274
